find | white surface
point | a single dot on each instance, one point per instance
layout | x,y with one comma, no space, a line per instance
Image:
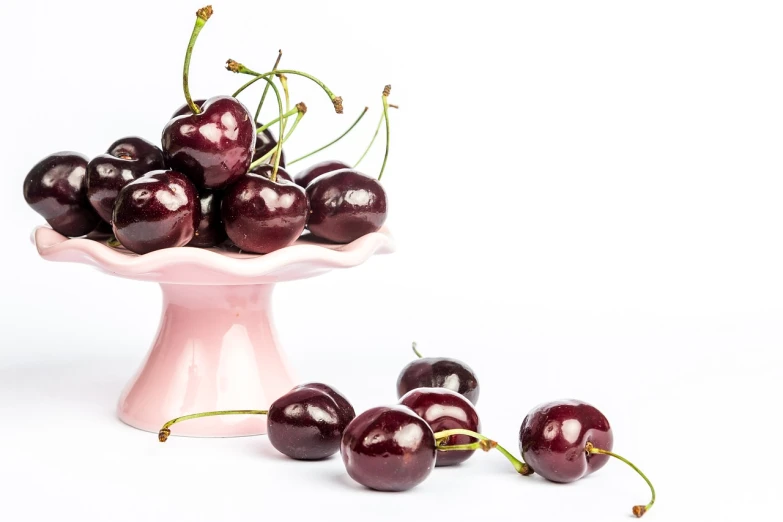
587,198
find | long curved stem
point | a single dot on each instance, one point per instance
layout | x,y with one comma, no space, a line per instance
377,130
237,67
415,347
638,511
266,88
268,124
485,443
341,136
165,431
278,150
202,15
386,92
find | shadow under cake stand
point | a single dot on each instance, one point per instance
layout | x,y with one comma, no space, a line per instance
216,346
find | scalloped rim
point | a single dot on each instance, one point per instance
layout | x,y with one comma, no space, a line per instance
53,246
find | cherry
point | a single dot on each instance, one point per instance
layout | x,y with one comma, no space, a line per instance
444,409
309,421
56,188
261,215
431,372
126,159
304,177
345,205
566,440
213,148
388,449
213,144
265,140
306,423
158,210
210,230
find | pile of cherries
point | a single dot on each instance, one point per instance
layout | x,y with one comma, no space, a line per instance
218,178
435,423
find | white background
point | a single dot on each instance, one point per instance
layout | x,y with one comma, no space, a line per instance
587,198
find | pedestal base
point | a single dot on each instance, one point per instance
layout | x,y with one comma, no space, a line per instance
216,348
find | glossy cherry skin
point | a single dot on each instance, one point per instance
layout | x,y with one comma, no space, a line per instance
213,148
345,205
388,449
308,422
210,230
443,410
265,140
439,372
158,210
56,188
262,216
127,159
553,436
266,171
304,177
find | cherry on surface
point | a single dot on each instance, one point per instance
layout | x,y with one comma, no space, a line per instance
158,210
56,188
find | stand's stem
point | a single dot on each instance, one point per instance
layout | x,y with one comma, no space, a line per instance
216,349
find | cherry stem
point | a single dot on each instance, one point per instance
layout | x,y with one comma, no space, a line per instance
279,148
260,161
269,124
484,443
266,88
237,67
341,136
386,92
202,15
377,130
638,511
165,431
416,350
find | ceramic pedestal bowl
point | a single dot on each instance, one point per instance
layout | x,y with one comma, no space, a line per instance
216,346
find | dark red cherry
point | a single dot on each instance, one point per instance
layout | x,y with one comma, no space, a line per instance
56,188
185,108
213,148
345,205
307,423
553,437
158,210
261,215
127,159
388,449
444,410
439,372
304,177
210,230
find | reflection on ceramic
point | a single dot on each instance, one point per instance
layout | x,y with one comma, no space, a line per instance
216,346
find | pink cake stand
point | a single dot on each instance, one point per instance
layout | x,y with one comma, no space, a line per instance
216,346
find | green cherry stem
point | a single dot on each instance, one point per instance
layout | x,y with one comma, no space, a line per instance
266,88
386,92
202,15
279,148
238,68
415,347
260,161
377,130
165,431
484,443
638,511
288,114
341,136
